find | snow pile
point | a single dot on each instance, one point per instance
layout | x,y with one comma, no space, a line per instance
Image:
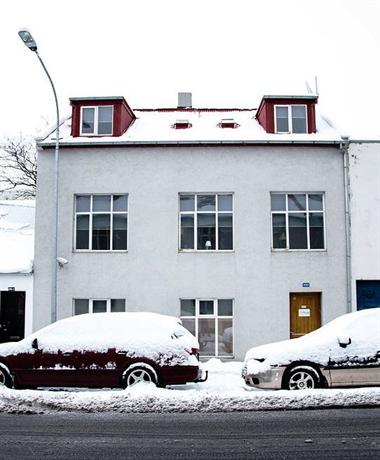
158,337
225,391
16,236
322,346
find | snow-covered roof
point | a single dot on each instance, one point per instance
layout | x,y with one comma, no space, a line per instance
16,236
155,126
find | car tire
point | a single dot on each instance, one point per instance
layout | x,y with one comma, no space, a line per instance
5,377
302,378
139,372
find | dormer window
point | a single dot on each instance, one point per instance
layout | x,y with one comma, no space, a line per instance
96,121
290,119
182,124
228,123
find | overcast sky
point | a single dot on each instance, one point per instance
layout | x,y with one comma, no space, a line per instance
227,53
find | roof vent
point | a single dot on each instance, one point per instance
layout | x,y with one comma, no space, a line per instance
182,124
228,123
184,100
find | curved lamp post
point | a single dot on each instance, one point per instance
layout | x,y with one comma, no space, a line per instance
28,40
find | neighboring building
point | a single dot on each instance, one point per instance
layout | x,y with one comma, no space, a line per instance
365,223
16,268
233,219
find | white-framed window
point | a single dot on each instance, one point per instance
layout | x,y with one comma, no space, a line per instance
101,222
206,221
96,121
211,322
290,118
298,221
81,306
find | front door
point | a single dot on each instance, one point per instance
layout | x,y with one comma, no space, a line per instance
305,313
12,316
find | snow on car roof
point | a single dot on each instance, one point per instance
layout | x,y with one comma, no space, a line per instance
136,333
321,345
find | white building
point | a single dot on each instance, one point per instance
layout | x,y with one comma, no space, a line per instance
232,219
16,268
365,223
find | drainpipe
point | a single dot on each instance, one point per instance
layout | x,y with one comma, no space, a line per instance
347,213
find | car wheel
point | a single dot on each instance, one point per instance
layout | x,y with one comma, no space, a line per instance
302,378
139,373
5,378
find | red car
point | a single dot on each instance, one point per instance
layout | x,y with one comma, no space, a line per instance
103,350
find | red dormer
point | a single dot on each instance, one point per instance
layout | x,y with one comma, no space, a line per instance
100,116
287,114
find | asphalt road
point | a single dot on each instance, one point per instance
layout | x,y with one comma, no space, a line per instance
318,434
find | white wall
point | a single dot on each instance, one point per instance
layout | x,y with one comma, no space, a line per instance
154,275
365,212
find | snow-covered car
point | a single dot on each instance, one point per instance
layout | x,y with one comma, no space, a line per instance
103,350
344,352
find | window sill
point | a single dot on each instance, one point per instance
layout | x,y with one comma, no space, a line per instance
297,250
88,251
199,251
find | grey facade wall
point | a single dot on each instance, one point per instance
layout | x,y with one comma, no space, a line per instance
153,275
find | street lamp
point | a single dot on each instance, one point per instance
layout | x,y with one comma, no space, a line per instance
28,40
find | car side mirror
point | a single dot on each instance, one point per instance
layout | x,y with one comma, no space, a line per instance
35,344
344,341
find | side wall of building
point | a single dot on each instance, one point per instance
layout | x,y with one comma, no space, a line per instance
153,275
365,219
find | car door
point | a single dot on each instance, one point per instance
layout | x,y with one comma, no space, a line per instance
355,356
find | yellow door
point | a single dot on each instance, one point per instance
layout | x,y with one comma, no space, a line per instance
305,313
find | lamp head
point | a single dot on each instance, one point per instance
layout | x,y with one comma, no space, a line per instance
28,40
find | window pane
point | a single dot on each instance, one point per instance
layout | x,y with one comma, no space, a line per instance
225,231
299,119
117,305
80,306
88,120
120,203
278,202
105,120
206,231
206,307
225,307
82,231
297,231
279,231
282,122
206,336
206,202
316,231
101,232
186,203
297,202
189,324
99,306
225,337
101,203
224,202
119,231
316,202
82,203
187,231
187,307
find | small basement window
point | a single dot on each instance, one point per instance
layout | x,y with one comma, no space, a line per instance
96,121
290,119
182,124
228,123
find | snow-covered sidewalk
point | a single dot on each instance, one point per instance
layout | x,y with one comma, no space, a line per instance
224,391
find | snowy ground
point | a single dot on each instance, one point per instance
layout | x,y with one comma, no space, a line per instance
224,391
